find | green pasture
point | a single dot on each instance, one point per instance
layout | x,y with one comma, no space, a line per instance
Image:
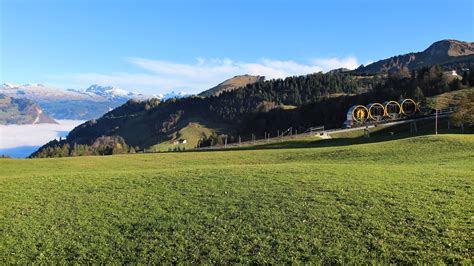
400,201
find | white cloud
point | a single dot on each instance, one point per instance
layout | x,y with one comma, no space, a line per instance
158,76
333,63
34,135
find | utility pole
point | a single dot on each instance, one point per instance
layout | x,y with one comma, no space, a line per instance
366,132
436,122
413,128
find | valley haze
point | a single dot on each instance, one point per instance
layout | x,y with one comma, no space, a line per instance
20,141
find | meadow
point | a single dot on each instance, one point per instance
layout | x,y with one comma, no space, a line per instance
402,201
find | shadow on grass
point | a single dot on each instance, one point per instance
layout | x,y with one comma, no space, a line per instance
377,135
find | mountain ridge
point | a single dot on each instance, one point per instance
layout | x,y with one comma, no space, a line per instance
442,52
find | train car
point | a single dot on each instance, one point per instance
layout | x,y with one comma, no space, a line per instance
392,110
376,112
373,113
408,107
356,116
349,121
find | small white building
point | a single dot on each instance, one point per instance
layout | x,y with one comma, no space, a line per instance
452,73
180,141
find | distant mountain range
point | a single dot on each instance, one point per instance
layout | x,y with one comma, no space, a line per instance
86,104
108,93
445,52
21,111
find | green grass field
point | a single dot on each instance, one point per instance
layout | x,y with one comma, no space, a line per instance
400,201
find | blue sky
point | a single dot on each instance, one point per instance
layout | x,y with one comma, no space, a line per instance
159,46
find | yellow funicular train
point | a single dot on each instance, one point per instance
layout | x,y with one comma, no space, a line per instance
373,113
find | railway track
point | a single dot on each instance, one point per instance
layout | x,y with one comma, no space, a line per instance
326,133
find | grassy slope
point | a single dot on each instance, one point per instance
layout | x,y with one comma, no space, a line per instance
451,98
230,84
192,133
400,201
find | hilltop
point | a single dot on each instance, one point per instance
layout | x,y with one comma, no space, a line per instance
444,52
231,84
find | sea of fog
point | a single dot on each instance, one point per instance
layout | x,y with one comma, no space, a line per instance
19,141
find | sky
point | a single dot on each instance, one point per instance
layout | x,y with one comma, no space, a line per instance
160,46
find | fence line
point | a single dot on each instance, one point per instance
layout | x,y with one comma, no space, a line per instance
318,130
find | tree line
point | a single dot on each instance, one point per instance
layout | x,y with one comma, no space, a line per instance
105,145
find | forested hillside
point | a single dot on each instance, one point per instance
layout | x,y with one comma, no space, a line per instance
316,99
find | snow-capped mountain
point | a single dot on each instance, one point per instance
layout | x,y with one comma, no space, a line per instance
114,92
35,91
88,103
85,104
172,94
39,92
94,92
110,92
